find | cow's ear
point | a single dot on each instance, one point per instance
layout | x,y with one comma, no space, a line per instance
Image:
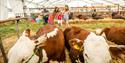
26,33
72,42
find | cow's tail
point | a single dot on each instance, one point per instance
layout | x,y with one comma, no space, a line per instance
66,40
118,51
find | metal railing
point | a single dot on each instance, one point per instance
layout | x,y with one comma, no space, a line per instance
16,20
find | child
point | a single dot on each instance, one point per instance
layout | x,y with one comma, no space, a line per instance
39,19
59,18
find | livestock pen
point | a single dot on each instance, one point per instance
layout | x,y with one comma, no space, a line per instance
9,31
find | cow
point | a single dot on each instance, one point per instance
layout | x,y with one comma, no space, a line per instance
96,16
54,45
96,49
80,16
113,34
116,40
46,45
74,42
70,34
23,49
116,15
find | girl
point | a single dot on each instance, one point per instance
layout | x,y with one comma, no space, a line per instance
59,18
66,15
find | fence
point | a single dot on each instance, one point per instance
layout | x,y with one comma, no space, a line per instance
16,20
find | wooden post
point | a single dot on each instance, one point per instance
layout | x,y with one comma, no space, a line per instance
17,28
3,51
118,7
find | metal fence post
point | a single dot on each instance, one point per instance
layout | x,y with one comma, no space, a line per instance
17,28
3,51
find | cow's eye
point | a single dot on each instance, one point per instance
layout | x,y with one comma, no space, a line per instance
36,42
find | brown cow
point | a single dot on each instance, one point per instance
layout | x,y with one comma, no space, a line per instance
117,37
75,35
54,44
115,34
116,15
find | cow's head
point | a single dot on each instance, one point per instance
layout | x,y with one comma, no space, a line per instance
76,49
27,33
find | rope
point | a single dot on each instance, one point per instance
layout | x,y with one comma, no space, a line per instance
31,56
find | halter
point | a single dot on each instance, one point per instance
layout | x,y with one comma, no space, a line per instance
31,57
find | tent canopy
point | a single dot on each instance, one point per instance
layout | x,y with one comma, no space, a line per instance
72,3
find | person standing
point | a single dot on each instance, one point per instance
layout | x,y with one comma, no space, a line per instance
59,18
53,15
66,15
45,15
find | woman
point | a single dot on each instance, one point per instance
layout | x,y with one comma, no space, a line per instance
66,15
52,15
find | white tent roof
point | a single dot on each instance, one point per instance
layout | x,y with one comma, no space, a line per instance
72,3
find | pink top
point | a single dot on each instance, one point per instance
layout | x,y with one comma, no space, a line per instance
59,16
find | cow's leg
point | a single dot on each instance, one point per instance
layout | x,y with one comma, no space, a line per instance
73,60
62,56
81,56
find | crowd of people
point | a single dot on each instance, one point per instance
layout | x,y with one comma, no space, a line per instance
61,15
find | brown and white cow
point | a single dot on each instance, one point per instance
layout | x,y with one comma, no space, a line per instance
54,45
47,45
75,38
116,40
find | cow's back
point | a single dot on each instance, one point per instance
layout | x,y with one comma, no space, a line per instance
75,32
96,50
54,46
116,35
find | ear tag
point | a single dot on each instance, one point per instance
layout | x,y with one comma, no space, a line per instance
76,47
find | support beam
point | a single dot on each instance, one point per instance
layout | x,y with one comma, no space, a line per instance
3,9
17,7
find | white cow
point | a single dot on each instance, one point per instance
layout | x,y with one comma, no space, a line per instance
96,50
24,49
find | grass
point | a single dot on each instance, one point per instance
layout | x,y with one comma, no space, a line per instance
9,29
93,26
